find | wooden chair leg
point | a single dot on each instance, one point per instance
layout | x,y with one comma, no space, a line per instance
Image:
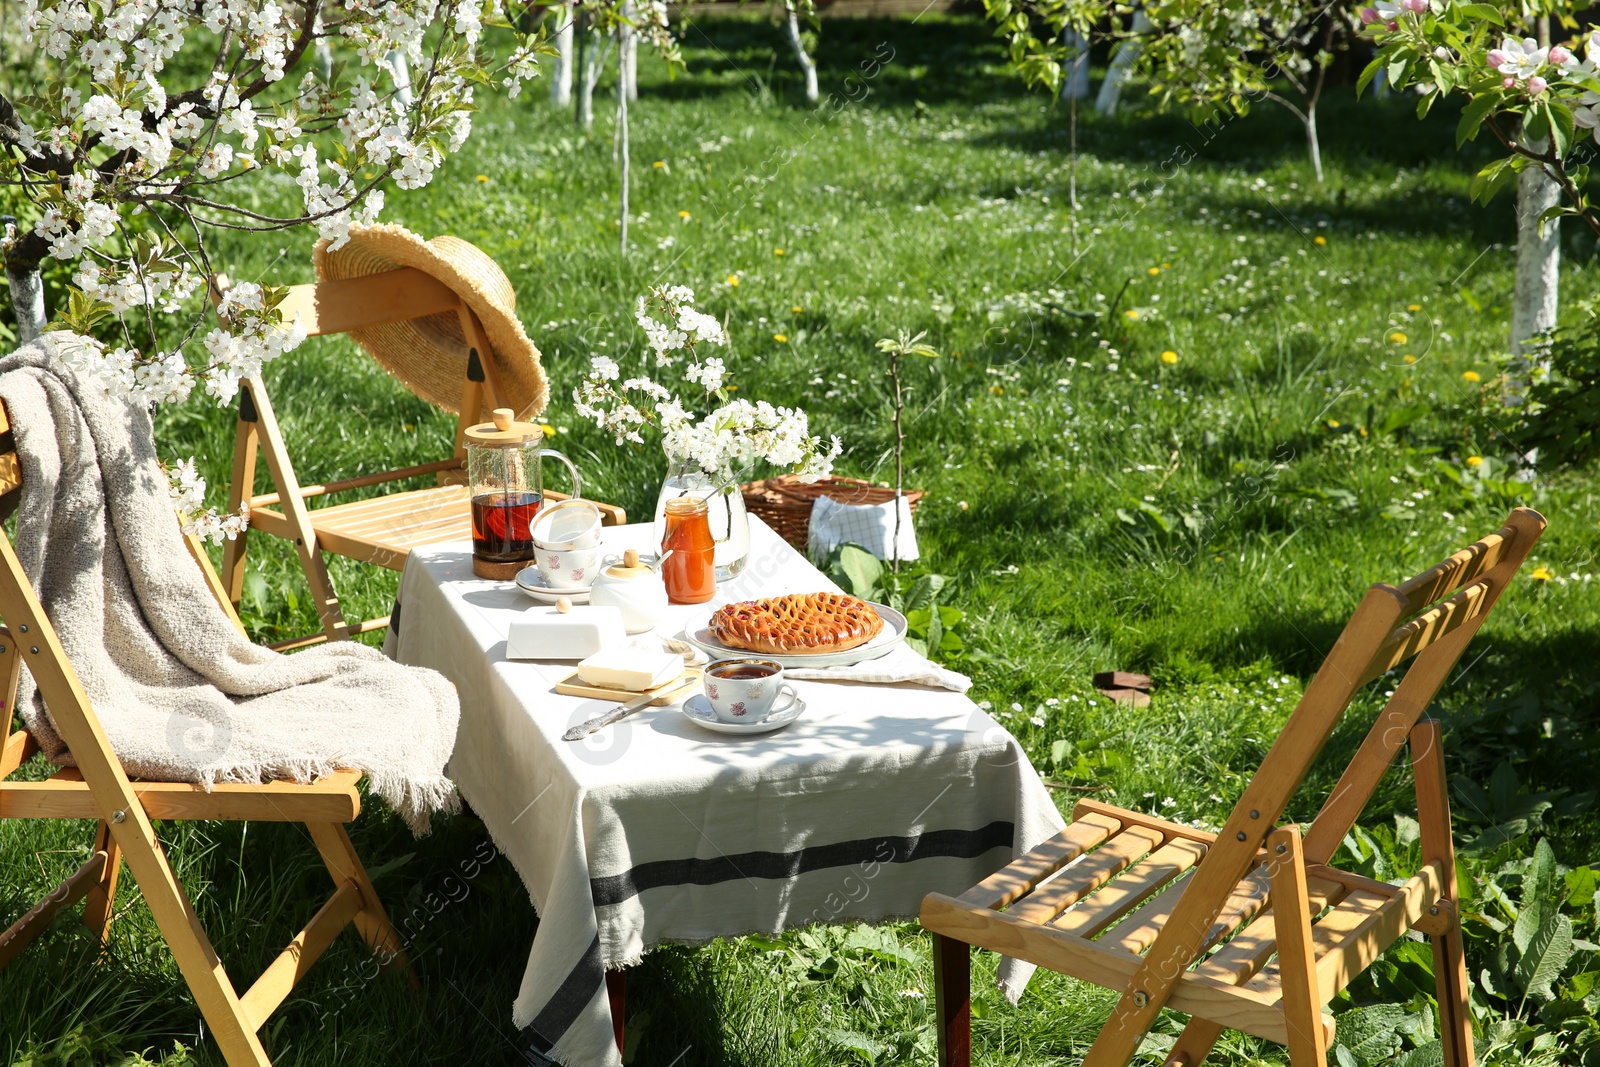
1297,961
1194,1044
191,948
99,901
617,995
1449,958
371,922
952,997
245,443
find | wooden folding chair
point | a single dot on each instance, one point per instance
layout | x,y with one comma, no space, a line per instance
1135,903
98,788
379,530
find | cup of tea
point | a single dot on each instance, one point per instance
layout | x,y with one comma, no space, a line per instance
571,568
747,690
567,524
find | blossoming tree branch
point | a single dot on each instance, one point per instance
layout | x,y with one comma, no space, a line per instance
127,165
1539,102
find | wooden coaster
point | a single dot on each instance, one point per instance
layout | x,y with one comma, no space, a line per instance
499,572
670,693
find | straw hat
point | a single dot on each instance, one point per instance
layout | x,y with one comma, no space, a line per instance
429,354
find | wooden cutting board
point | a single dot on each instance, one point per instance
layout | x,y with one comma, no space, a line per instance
673,691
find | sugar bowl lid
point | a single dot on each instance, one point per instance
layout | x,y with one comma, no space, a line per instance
631,568
504,430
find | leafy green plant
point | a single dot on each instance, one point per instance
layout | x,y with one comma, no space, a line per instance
931,626
1561,414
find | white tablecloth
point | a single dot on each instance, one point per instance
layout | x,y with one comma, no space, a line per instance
656,830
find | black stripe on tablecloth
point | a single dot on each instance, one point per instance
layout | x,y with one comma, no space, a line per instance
563,1009
957,844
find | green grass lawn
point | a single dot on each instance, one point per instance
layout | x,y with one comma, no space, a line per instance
1210,520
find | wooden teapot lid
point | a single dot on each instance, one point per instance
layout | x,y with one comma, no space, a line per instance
504,430
630,567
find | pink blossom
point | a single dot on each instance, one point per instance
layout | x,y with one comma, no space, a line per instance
1368,16
1507,82
1495,58
1393,25
1559,55
1416,7
1536,85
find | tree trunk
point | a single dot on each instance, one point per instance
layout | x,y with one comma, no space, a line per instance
401,70
1312,142
807,65
1533,308
27,294
588,73
628,50
1121,66
1076,83
623,63
561,81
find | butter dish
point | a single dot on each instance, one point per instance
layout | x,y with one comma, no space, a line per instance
564,632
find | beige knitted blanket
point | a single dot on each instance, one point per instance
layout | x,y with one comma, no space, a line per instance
180,693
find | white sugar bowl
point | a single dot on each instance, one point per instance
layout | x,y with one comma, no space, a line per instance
633,588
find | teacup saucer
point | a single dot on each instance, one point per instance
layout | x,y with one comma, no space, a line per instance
530,581
698,710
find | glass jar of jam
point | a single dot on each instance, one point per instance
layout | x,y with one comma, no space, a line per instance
690,573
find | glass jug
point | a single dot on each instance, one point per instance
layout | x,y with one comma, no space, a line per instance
503,471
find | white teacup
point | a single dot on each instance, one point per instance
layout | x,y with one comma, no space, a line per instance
747,690
567,525
568,568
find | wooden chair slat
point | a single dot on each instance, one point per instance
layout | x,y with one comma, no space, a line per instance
371,300
1445,618
1071,884
1088,917
1348,943
1476,559
1018,878
294,962
66,796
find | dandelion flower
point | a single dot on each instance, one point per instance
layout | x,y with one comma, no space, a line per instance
1166,266
1132,313
1153,270
733,279
1169,356
777,251
684,215
1413,307
1542,574
1333,424
1471,376
1319,240
1397,338
781,338
660,164
1474,461
483,179
797,309
1409,358
996,390
548,430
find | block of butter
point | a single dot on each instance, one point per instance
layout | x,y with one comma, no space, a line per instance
631,668
574,633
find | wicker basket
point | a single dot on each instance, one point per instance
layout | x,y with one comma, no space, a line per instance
784,503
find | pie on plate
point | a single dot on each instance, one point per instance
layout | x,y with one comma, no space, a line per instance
804,623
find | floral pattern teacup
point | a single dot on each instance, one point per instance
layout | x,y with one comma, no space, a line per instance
568,568
747,690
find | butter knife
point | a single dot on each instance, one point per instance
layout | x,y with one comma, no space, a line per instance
600,722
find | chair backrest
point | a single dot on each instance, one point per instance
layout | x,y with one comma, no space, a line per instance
379,299
1429,620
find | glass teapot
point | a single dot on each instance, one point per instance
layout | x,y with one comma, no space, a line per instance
503,470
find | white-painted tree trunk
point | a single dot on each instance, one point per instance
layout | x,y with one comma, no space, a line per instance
623,63
807,65
27,299
628,52
1076,83
401,70
588,73
561,77
1534,305
1121,64
1313,142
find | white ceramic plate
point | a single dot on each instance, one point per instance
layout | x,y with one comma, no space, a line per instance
698,633
530,581
697,709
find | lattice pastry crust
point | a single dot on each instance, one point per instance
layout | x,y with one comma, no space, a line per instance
802,623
